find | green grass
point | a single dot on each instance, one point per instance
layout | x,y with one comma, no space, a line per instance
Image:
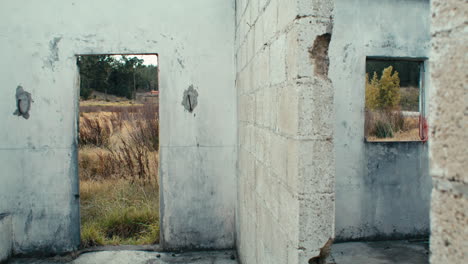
119,212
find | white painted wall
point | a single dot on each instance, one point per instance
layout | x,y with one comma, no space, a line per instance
5,237
38,180
382,189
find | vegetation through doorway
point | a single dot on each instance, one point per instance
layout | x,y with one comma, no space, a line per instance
119,149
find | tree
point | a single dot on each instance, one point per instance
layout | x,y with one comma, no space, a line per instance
383,94
118,76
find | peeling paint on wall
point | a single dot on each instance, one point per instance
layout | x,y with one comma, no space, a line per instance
54,53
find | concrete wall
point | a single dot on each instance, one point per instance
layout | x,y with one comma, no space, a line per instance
285,120
449,126
5,236
39,183
382,189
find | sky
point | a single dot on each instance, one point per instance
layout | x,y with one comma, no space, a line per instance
148,59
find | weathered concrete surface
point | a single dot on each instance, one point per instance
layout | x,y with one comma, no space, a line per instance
382,189
449,131
5,237
140,257
387,252
285,212
39,183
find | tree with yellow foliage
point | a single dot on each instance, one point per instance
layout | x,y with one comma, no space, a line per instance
383,94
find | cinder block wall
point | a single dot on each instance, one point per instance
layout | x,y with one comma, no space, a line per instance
449,126
285,210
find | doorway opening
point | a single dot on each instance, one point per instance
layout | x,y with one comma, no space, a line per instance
118,152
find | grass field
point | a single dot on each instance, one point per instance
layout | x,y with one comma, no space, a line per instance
401,127
118,165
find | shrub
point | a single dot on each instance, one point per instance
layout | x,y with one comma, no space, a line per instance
94,132
133,160
410,99
383,94
383,129
147,127
118,212
397,120
91,235
129,223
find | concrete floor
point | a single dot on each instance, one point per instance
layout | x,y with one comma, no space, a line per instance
387,252
139,257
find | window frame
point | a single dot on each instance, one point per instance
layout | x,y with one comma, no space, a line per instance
423,126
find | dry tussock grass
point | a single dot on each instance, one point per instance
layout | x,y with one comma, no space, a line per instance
118,161
403,128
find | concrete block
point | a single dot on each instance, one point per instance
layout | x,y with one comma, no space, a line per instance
270,22
259,33
287,12
250,41
6,242
307,30
259,108
261,68
316,8
449,15
292,174
278,60
273,98
278,148
288,111
262,4
316,228
254,10
316,167
317,110
292,51
449,227
288,212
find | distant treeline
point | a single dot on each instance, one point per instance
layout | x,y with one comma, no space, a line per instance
117,76
408,71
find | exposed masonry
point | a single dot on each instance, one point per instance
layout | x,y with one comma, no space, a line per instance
319,54
449,123
285,114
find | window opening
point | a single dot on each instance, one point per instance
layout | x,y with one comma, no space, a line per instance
395,100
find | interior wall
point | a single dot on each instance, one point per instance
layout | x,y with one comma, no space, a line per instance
382,189
449,126
39,183
285,210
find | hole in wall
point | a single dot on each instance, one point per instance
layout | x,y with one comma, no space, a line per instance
190,99
23,102
394,100
118,154
319,54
